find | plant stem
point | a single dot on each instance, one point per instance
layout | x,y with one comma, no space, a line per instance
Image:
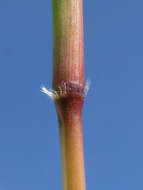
67,41
69,88
72,146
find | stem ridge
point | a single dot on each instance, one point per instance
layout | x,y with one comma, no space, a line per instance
67,88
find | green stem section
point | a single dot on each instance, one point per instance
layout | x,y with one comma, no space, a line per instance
67,41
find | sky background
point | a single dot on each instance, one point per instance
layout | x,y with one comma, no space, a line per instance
113,110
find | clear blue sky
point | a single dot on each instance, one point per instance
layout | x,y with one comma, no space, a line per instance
113,111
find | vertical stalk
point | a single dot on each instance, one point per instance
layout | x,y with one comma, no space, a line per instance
67,41
69,88
70,124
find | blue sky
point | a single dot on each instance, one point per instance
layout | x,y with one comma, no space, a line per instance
112,115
